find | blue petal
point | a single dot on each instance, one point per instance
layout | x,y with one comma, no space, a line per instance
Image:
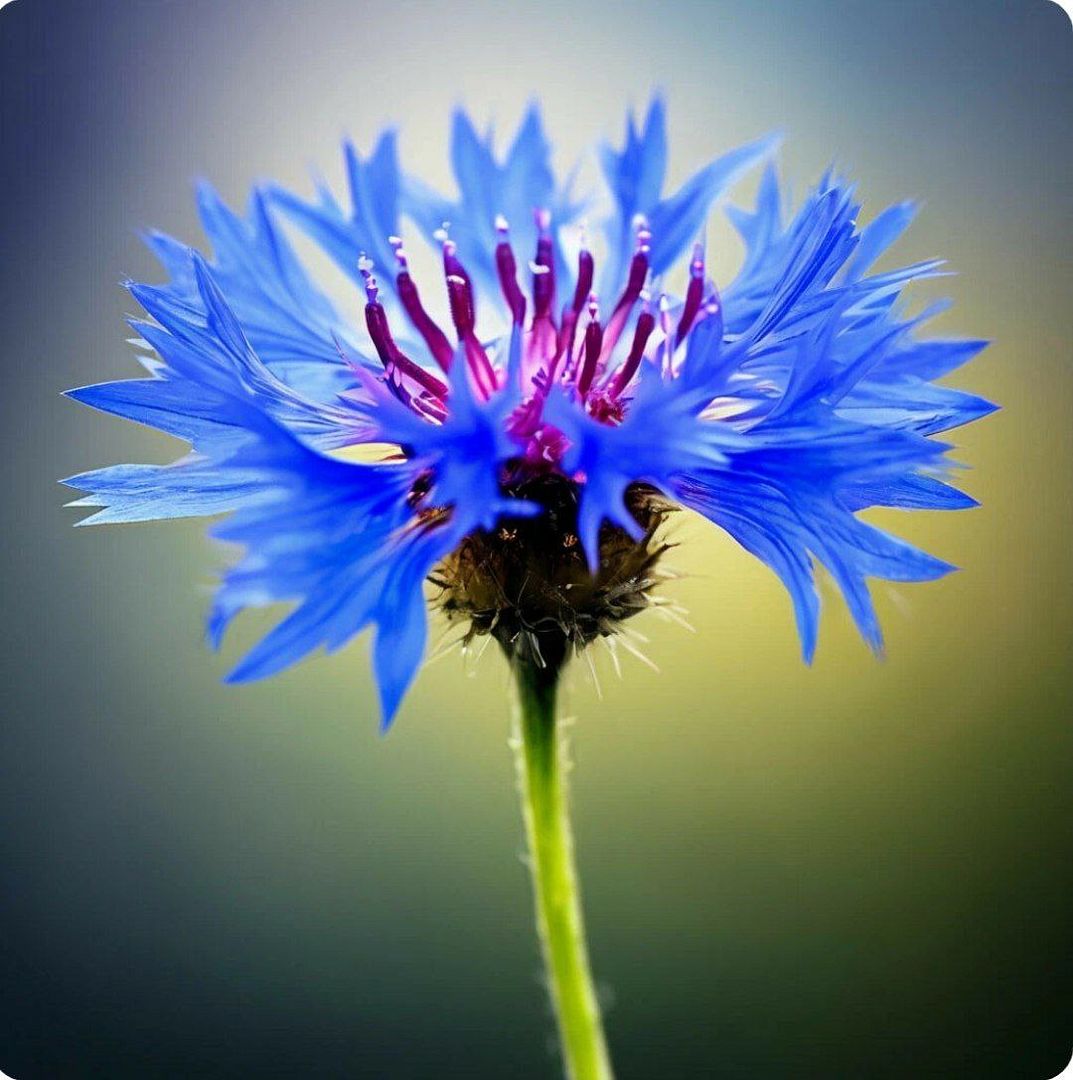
931,359
169,405
635,176
342,540
285,318
676,221
205,346
375,193
402,628
913,405
913,492
188,488
514,187
878,235
765,526
660,437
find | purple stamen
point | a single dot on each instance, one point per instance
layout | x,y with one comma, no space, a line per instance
391,356
463,313
693,294
459,290
508,273
593,341
434,337
646,323
635,282
586,269
543,268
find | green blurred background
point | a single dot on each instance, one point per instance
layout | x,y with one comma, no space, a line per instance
861,869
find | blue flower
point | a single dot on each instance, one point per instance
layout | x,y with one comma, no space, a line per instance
536,444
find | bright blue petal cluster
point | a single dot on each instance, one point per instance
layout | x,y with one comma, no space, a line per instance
779,409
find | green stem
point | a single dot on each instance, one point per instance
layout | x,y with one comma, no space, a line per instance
555,886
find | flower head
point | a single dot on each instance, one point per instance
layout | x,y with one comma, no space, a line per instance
539,435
